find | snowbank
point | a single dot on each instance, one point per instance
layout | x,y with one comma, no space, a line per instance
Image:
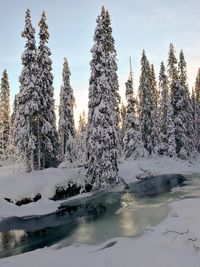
19,185
129,169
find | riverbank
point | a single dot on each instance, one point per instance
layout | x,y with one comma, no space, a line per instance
16,185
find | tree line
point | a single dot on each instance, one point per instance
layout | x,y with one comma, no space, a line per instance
163,118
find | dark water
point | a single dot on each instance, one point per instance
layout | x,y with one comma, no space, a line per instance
91,220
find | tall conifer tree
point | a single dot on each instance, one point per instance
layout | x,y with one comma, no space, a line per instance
81,139
187,110
197,100
177,97
25,134
66,126
167,129
101,134
112,64
132,142
5,106
194,117
122,114
147,108
48,136
154,88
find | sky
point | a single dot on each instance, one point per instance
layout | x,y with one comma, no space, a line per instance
143,24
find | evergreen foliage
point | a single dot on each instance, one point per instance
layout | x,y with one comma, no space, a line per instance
82,125
25,134
102,140
177,97
122,115
132,142
66,127
81,139
5,114
163,118
48,146
167,138
197,101
147,108
187,109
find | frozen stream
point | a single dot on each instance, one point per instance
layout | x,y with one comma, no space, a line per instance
92,220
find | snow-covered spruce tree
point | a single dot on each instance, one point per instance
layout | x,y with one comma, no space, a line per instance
109,43
14,111
147,109
177,98
11,150
122,123
102,138
48,145
25,134
5,110
66,127
80,139
167,129
156,99
82,124
187,108
194,116
197,98
112,64
132,142
154,88
13,119
1,130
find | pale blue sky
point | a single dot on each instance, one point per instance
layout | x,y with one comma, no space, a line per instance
148,24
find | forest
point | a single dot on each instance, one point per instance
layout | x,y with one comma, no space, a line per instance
160,118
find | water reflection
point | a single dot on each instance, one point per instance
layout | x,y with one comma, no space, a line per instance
84,233
127,224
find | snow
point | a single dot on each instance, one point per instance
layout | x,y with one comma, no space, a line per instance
130,169
175,243
20,185
16,185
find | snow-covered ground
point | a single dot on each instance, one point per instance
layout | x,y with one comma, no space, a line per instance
16,185
175,243
129,169
20,185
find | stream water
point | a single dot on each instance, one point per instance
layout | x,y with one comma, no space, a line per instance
91,220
